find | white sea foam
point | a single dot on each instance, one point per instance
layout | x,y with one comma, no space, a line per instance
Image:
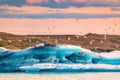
73,66
113,54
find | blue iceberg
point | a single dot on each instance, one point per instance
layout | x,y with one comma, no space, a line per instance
57,57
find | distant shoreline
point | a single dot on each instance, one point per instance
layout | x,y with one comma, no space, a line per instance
94,42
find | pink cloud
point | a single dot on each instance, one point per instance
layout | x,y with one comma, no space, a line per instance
37,1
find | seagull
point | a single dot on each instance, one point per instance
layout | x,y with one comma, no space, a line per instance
85,37
19,40
9,41
101,41
68,38
56,41
115,24
0,39
29,40
91,42
117,46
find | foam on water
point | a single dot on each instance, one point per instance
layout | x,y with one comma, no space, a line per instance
70,67
113,54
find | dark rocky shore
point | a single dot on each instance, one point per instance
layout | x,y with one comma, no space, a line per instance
94,42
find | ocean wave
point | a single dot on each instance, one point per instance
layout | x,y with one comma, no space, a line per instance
67,56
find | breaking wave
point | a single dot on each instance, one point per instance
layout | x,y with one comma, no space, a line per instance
60,57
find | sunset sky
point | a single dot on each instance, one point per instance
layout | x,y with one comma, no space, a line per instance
60,16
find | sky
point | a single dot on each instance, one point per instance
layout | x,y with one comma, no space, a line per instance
60,16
